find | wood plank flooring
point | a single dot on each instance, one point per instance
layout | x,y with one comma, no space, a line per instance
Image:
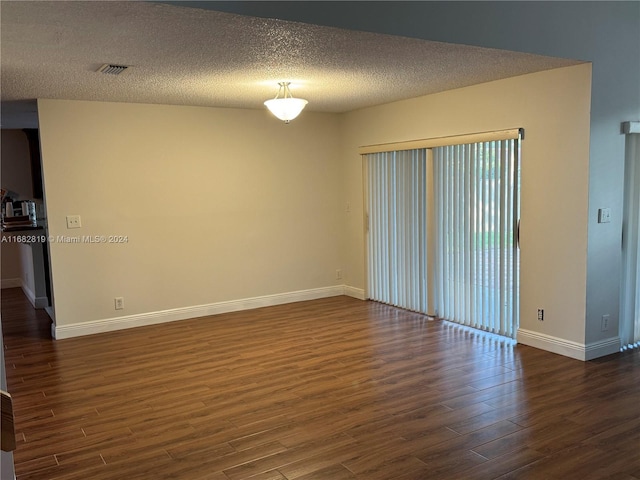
329,389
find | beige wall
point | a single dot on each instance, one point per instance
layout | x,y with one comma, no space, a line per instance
553,108
226,204
16,178
217,205
16,164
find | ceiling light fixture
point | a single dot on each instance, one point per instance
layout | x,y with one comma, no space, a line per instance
285,107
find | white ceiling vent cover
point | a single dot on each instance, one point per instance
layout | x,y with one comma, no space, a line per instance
112,69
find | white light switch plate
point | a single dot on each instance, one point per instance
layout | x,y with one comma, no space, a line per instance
604,215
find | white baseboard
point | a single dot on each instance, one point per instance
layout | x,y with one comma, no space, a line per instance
602,348
152,318
37,302
354,292
11,283
568,348
50,311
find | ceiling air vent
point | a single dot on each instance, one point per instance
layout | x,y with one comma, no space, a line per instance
112,69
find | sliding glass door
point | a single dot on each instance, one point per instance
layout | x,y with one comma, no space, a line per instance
442,232
630,292
397,240
477,211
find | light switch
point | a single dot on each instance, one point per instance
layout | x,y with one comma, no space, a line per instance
73,221
604,215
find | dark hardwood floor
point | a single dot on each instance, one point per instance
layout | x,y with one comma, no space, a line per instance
326,390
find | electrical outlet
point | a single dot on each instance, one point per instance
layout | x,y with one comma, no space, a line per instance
73,221
119,303
338,274
540,315
605,323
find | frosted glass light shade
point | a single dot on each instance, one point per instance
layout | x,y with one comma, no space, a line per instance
284,106
286,109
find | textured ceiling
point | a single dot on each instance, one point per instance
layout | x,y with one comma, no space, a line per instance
188,56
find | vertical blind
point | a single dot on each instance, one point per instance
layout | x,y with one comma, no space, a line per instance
477,210
630,293
397,249
464,205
